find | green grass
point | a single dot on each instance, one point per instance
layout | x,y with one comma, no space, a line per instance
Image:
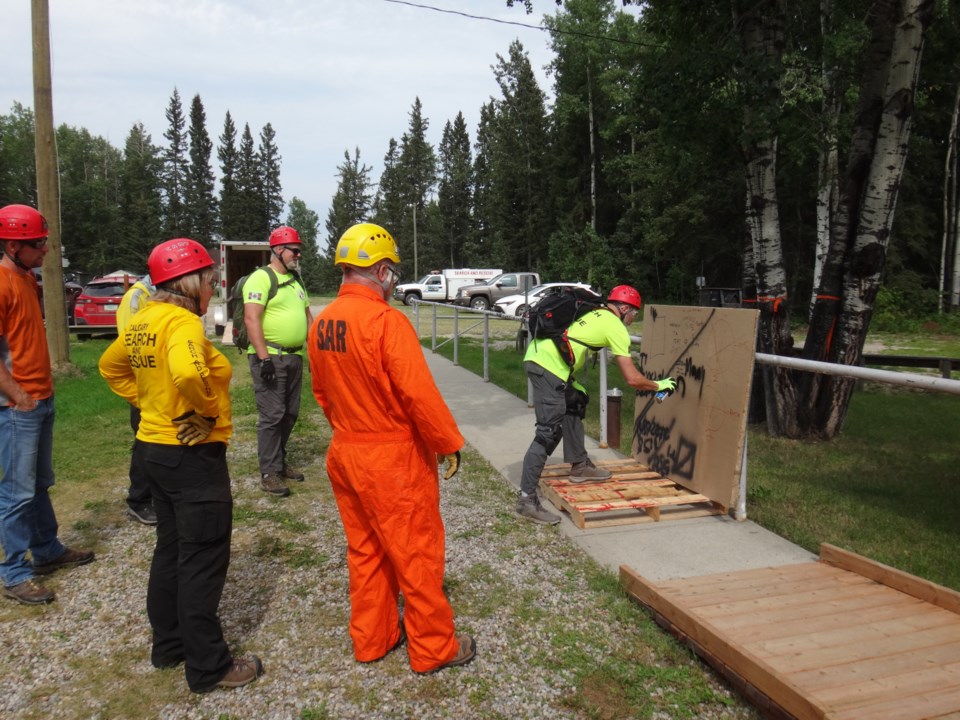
619,664
886,488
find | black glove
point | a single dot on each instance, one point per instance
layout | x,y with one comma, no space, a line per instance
268,373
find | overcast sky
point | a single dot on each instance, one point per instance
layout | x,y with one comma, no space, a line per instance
329,75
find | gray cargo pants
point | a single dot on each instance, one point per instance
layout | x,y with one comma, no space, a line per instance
553,424
278,405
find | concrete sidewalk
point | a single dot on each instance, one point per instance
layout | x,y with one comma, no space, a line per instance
500,427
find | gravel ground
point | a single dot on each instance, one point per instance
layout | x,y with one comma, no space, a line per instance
545,633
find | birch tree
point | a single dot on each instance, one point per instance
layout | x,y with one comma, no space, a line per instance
860,232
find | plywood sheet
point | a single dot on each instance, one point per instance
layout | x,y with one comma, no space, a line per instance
695,437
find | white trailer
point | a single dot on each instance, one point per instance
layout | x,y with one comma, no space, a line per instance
237,258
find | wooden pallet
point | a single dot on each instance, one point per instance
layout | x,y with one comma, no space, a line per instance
634,494
844,638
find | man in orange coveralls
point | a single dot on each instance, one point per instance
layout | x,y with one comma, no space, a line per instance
389,425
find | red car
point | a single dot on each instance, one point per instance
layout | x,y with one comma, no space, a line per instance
71,291
98,303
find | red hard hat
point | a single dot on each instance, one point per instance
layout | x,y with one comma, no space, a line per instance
284,235
175,258
22,222
626,294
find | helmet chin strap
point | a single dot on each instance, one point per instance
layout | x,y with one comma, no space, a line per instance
14,257
279,256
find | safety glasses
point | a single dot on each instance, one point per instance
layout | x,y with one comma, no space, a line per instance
295,249
35,244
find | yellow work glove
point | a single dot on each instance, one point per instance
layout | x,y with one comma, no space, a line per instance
452,462
193,428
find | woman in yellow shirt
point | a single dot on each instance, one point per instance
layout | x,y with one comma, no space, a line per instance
164,364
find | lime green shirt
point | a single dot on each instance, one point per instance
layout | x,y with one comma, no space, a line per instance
285,317
598,328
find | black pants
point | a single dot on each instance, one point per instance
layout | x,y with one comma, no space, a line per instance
191,494
139,493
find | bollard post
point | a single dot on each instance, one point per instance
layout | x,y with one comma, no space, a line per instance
614,397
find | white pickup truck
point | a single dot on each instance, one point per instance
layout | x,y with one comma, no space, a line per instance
441,285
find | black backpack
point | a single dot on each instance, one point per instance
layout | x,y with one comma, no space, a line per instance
551,317
240,337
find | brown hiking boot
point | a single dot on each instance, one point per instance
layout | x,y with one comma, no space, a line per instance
69,558
274,484
464,656
243,671
290,474
29,592
588,472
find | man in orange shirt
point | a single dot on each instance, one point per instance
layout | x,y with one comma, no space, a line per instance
27,519
389,425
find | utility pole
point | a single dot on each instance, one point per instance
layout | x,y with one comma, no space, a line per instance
416,267
48,187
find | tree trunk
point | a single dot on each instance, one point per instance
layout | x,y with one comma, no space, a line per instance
827,167
761,37
950,266
48,188
593,153
861,229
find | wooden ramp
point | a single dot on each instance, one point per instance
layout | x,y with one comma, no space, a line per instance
844,638
634,494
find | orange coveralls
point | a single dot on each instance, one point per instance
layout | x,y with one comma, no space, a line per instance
389,422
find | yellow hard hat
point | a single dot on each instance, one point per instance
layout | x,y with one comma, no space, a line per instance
365,244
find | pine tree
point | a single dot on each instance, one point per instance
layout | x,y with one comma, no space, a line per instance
516,147
252,222
351,204
270,177
175,169
455,189
417,168
201,205
230,201
141,199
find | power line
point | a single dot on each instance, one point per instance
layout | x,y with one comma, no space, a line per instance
542,28
468,15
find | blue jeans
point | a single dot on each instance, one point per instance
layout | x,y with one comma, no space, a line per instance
27,520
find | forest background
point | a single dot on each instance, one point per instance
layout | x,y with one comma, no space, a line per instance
737,142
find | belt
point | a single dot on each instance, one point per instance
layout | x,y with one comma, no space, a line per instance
287,350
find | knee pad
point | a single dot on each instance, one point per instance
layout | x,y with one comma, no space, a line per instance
549,438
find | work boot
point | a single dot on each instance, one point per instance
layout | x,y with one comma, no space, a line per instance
243,671
274,484
586,471
529,507
465,654
68,559
145,514
29,592
290,474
